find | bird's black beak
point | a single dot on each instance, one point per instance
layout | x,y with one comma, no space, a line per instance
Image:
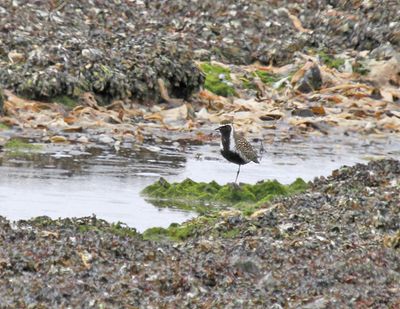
217,129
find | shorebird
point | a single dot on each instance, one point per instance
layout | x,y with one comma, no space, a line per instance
235,148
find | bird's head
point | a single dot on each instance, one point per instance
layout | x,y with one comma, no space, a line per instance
225,128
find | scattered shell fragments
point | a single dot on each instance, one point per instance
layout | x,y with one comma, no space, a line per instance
307,245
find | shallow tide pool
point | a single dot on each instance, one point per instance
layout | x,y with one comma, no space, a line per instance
63,181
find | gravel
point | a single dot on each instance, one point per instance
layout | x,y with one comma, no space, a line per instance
335,246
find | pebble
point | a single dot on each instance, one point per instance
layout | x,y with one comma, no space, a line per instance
105,139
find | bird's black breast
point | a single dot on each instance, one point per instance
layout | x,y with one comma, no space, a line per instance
233,157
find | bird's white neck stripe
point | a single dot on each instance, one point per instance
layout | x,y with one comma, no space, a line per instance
232,143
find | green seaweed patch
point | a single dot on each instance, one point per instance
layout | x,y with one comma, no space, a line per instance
231,233
267,77
214,83
330,60
156,234
174,232
248,84
65,100
18,144
200,207
4,126
244,196
299,185
213,224
187,195
360,68
178,232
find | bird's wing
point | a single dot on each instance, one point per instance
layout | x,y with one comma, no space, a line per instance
253,155
249,152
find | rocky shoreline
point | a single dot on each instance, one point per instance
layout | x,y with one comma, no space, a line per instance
336,245
282,72
123,72
121,49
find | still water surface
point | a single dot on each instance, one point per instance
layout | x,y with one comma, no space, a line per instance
66,182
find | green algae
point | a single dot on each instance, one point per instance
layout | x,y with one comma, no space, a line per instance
361,68
3,126
18,144
156,234
248,82
330,60
200,207
231,233
178,232
213,81
209,199
174,232
267,77
203,225
65,100
20,148
203,197
187,195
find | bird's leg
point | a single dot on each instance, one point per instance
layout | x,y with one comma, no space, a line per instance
237,174
262,150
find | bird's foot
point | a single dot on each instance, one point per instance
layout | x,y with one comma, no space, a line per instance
234,185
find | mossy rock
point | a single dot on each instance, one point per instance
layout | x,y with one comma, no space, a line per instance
213,81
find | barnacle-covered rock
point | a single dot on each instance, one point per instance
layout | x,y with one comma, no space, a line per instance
122,63
361,25
119,49
135,75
